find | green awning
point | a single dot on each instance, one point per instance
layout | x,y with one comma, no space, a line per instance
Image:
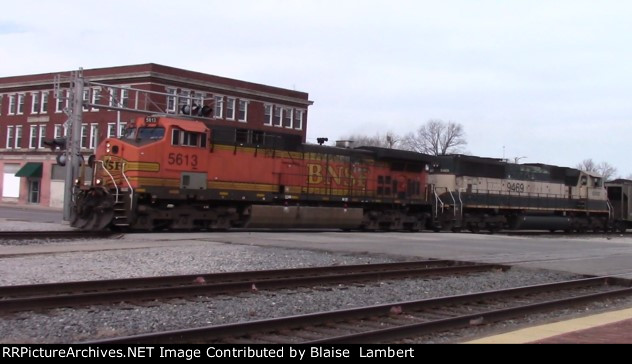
30,169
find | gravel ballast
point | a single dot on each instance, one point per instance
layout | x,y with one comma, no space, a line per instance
89,323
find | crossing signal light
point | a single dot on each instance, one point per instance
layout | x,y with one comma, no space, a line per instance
55,143
196,110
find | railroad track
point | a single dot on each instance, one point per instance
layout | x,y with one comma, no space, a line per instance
44,296
395,321
54,234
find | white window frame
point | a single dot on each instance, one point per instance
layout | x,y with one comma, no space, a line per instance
94,134
44,105
1,99
10,137
35,101
96,98
290,117
184,98
301,116
21,98
218,107
277,112
58,130
121,127
84,136
33,137
268,109
230,108
171,99
124,96
12,105
42,135
113,95
18,137
85,98
243,103
59,103
111,133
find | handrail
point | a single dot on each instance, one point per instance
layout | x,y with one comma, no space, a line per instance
131,189
454,203
116,198
461,207
437,202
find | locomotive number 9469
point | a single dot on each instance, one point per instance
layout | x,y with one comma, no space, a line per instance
515,186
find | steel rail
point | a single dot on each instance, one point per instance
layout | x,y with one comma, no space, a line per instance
29,297
220,333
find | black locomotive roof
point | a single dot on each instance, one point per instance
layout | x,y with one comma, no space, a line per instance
463,165
399,155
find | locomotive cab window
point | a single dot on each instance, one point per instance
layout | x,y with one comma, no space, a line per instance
144,134
151,133
188,138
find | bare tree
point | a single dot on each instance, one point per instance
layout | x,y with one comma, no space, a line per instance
436,137
387,140
605,169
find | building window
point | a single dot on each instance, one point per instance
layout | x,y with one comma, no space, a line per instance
62,98
184,99
33,137
84,136
18,137
124,97
1,97
276,118
96,98
242,113
58,130
111,130
230,108
20,104
121,128
171,99
113,94
44,108
298,119
94,135
199,98
10,139
219,107
267,114
42,135
12,105
287,117
35,103
85,99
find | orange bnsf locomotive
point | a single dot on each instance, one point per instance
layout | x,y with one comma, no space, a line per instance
173,173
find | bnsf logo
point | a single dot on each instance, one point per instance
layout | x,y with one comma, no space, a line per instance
113,164
338,175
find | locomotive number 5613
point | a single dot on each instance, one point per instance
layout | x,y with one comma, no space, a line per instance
180,159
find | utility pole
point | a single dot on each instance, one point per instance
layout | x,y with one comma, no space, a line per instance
73,141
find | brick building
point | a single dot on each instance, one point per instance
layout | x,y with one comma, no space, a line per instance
31,112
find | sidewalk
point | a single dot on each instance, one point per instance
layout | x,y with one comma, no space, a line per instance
12,205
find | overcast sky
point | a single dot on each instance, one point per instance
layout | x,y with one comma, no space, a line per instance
547,80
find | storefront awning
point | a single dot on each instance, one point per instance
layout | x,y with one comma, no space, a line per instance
30,169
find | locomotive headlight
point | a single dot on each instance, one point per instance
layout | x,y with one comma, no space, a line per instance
76,181
107,147
98,182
